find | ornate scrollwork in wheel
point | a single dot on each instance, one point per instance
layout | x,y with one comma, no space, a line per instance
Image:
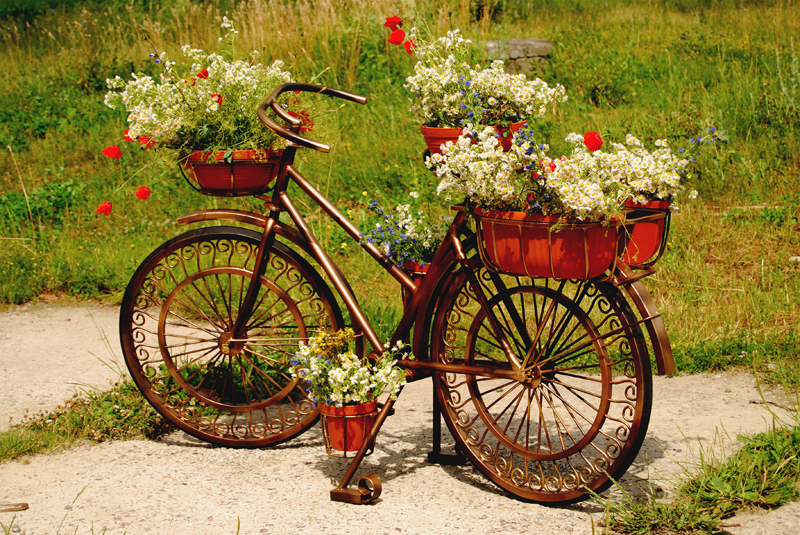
570,402
176,329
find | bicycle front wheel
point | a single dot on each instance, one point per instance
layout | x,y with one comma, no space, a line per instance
176,327
577,413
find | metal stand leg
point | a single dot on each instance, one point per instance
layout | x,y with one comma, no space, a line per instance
368,487
436,456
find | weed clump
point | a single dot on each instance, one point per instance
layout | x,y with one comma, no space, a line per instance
117,414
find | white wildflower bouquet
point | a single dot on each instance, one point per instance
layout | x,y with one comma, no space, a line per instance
476,168
448,92
336,376
589,184
210,106
404,234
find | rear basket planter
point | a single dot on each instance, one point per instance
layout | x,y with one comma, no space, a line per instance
647,238
547,246
345,428
250,172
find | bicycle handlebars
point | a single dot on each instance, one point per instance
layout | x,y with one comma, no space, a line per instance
271,101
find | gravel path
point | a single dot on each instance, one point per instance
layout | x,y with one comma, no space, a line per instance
182,485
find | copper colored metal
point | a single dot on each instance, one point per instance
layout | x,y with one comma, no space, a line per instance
545,386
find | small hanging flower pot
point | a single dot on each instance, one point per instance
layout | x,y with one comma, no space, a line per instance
345,387
345,428
243,172
435,137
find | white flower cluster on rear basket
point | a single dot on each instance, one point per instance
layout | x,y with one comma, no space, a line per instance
589,184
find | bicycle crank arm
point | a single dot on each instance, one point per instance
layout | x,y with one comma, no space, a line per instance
482,371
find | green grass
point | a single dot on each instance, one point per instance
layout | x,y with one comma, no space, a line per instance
762,472
117,414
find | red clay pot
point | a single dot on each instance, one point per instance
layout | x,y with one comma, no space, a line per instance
251,172
435,137
346,427
646,237
527,245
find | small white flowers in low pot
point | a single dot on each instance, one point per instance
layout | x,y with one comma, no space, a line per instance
448,92
345,387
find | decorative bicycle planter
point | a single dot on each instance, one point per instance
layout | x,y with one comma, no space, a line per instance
547,246
248,172
544,385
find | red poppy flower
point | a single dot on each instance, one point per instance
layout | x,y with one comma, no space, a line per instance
397,37
217,98
306,125
112,152
410,46
552,166
536,175
393,22
193,80
142,193
593,141
202,74
146,142
127,137
104,208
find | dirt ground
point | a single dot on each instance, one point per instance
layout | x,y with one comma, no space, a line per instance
50,349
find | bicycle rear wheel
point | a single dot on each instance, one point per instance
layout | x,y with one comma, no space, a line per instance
578,412
175,327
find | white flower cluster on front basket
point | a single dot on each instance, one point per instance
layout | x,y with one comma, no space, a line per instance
587,185
447,91
334,375
212,106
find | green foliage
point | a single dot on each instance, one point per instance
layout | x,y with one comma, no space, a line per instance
656,518
763,473
117,414
48,204
776,357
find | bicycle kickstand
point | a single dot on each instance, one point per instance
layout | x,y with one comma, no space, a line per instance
436,456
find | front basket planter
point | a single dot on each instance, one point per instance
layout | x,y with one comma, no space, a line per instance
250,172
547,246
345,428
648,226
435,137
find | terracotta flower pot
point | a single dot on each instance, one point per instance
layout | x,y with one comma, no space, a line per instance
528,245
646,238
251,172
346,427
435,137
